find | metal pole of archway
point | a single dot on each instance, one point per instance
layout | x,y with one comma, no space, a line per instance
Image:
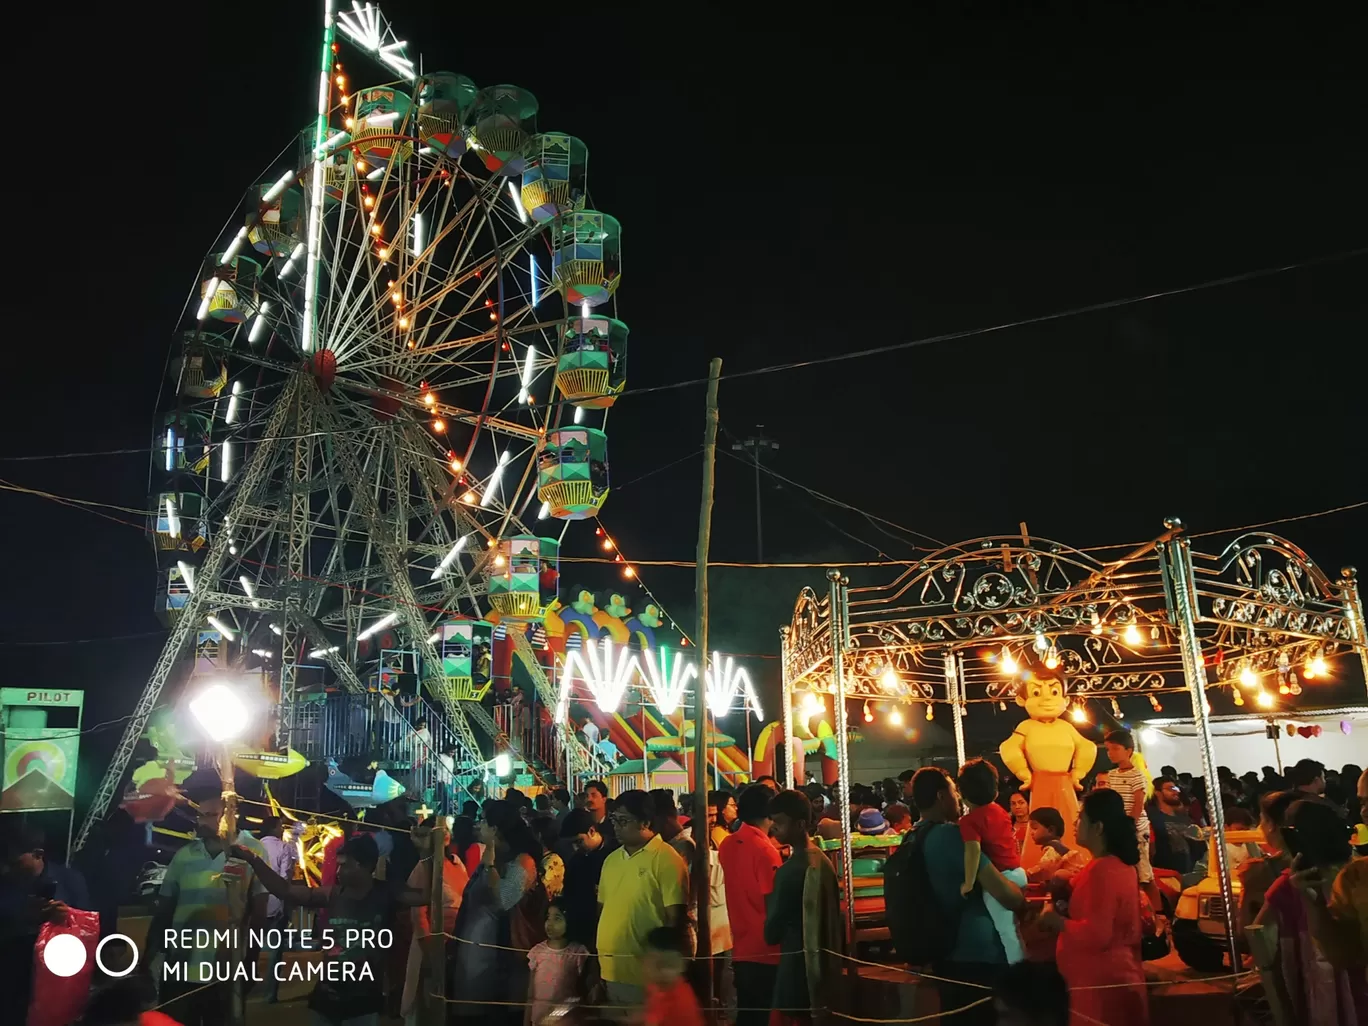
786,720
952,692
840,628
1180,594
1353,612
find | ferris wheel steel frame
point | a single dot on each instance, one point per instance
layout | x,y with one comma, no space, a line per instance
361,367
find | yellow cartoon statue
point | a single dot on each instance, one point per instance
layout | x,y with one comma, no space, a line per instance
1048,755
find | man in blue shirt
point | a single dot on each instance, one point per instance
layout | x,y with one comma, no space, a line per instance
977,959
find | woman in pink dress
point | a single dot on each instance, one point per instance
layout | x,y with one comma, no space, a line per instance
1098,950
1317,993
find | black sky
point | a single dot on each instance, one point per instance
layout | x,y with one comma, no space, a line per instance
799,186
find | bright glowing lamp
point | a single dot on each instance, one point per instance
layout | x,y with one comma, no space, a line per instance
1133,636
1248,678
503,764
1149,735
895,717
220,713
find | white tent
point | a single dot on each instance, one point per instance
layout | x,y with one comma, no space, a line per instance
1243,743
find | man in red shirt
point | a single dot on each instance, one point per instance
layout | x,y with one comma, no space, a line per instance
749,861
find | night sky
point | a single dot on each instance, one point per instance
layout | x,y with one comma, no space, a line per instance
788,190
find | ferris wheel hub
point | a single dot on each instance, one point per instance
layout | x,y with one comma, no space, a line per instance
323,366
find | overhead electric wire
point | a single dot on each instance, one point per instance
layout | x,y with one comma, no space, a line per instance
1110,304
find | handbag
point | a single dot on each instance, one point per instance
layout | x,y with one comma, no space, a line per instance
1154,942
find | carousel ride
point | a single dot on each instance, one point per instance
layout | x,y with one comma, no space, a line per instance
994,625
386,400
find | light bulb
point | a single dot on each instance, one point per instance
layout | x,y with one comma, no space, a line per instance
1154,702
1317,667
868,713
607,545
455,466
499,560
1133,636
1041,643
889,679
930,711
895,717
439,425
1248,678
1009,663
1264,699
627,571
1052,657
1002,706
1237,695
1079,714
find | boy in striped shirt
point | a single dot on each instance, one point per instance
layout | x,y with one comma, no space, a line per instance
1128,781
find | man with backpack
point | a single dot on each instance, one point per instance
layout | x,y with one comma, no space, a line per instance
931,922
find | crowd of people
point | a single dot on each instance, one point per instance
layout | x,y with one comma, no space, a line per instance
555,906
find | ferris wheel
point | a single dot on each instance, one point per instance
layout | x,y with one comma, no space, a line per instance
399,353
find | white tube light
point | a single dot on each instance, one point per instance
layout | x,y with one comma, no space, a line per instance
215,623
209,291
545,511
172,518
435,638
446,560
488,496
187,575
278,188
417,233
226,467
289,264
231,416
170,449
579,414
536,293
333,142
258,325
233,246
275,629
379,625
517,202
529,365
265,653
319,653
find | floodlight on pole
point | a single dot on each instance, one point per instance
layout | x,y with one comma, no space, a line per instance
220,713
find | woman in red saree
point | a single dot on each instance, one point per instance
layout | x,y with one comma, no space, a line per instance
1098,950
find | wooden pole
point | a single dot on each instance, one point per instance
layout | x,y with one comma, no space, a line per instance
434,945
699,872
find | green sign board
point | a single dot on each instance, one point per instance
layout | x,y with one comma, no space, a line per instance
39,769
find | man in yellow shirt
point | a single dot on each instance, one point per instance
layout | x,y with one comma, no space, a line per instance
644,886
1340,926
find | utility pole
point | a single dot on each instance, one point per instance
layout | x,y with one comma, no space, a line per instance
755,445
699,871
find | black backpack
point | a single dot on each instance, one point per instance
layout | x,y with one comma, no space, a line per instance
922,928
